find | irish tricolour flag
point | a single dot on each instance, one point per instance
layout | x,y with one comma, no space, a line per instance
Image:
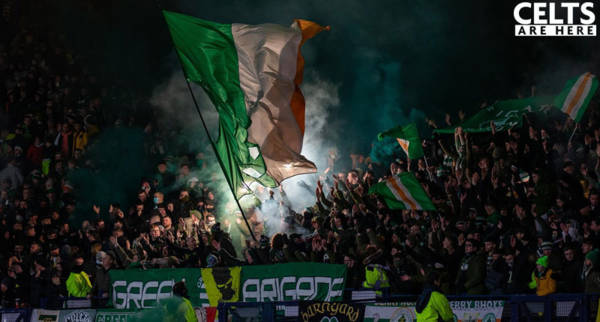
403,192
408,139
576,95
252,75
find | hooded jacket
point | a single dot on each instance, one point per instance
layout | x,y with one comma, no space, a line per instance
78,283
433,306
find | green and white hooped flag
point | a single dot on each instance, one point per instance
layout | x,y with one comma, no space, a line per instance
576,96
252,75
403,192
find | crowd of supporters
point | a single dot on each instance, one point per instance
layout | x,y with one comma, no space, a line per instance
518,210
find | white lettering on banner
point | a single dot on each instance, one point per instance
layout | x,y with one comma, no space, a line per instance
122,297
151,284
135,297
268,290
162,294
322,280
292,291
335,293
251,284
289,288
140,295
303,293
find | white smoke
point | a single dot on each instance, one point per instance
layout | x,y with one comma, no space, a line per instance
173,100
321,97
177,112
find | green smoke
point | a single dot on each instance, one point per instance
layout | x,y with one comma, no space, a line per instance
118,163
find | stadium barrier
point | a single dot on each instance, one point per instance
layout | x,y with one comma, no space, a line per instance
556,307
16,315
273,292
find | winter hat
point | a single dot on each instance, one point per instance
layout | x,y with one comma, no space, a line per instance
196,213
542,261
546,245
594,257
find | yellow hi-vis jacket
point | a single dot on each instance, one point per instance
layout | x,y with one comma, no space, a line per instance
78,284
376,278
437,309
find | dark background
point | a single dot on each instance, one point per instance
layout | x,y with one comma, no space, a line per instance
388,57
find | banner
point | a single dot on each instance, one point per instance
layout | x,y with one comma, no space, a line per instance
325,311
222,284
293,281
14,315
403,311
39,315
484,311
114,315
79,315
505,115
139,289
471,310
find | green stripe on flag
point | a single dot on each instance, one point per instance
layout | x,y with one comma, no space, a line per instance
411,191
409,133
416,190
209,58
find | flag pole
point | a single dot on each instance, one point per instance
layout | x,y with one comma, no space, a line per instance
212,144
573,134
427,167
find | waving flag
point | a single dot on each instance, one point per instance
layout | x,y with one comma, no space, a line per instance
403,192
576,96
505,114
408,138
252,75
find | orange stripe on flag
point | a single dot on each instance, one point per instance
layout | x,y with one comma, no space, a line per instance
579,92
401,193
403,144
309,29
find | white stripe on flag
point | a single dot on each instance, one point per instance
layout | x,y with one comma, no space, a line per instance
401,193
267,58
577,95
404,144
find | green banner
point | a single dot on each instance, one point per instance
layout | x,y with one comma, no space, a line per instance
114,315
293,281
139,289
505,115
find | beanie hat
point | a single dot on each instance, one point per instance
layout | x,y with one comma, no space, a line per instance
547,245
594,257
542,261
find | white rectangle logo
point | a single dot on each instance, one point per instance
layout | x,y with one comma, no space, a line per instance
555,30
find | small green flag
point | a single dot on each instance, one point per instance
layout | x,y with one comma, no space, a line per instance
408,138
403,192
